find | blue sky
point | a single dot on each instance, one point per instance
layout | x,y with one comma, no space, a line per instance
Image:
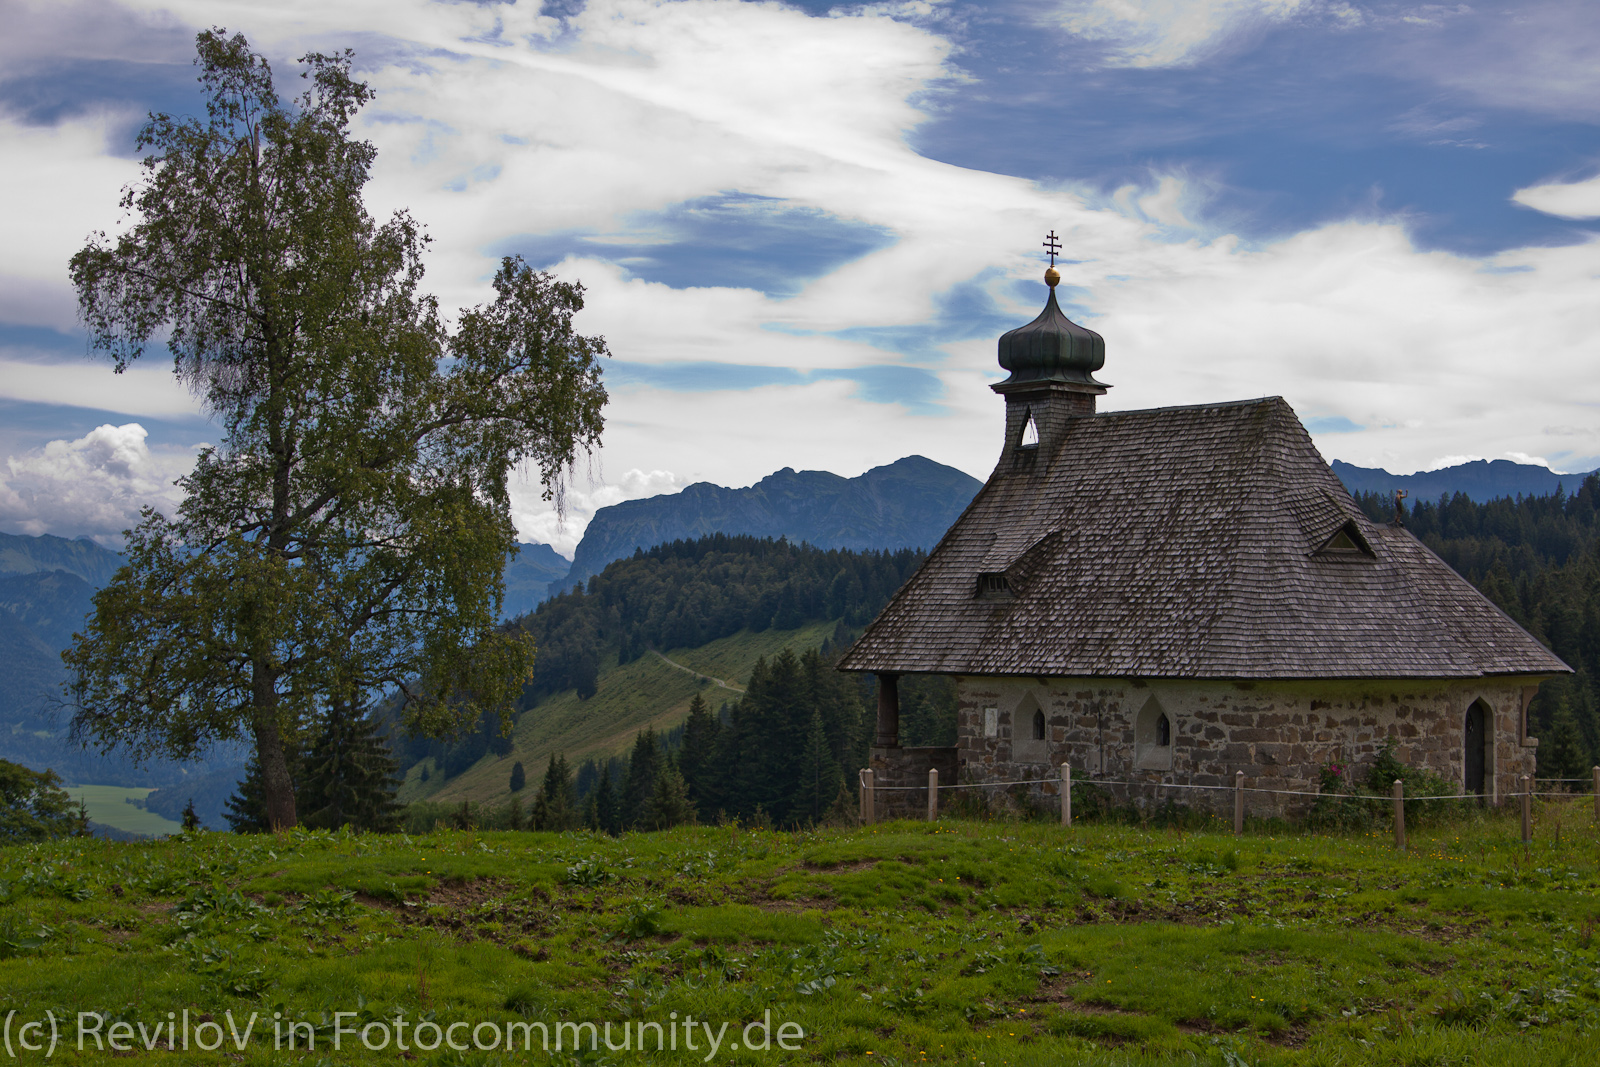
802,226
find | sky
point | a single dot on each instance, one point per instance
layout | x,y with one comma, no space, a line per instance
801,227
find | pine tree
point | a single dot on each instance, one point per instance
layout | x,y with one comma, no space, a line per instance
554,808
643,766
607,806
514,813
1561,752
519,777
350,775
819,777
696,760
669,804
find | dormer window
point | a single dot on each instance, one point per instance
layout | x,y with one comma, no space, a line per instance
994,585
1346,543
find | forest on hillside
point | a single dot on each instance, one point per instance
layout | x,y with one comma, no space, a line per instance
687,593
1538,558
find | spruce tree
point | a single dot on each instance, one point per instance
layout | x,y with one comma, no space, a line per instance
669,804
696,760
607,806
1562,753
643,765
350,775
519,777
819,778
554,808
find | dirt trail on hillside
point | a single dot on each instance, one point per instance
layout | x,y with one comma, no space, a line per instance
697,674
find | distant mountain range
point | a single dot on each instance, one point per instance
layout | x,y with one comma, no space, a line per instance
905,504
1480,480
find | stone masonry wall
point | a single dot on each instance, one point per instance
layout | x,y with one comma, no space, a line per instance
901,779
1279,733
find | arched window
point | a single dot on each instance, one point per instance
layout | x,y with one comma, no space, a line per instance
1152,737
1029,742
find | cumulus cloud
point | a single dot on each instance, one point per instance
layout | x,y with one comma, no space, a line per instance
1568,200
1163,33
92,486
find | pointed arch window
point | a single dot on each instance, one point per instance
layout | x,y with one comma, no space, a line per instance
1030,431
1152,737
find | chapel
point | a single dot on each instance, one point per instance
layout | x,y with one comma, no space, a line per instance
1165,597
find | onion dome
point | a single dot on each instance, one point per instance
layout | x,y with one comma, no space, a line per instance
1052,348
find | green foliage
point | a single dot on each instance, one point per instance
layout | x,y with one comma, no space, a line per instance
688,593
554,808
519,777
669,804
34,807
348,532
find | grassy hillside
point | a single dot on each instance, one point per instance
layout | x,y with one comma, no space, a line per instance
646,692
109,806
958,942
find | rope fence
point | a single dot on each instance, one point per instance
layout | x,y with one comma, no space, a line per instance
870,789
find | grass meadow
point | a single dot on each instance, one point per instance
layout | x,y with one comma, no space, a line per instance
974,942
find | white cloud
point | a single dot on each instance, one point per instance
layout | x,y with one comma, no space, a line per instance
146,388
1164,33
537,520
1569,200
646,104
59,184
94,485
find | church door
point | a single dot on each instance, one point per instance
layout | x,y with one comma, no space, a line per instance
1473,742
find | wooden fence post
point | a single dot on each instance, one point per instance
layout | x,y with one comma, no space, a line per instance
933,794
867,813
1238,803
1400,814
1527,809
1066,794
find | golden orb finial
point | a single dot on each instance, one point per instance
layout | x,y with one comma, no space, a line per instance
1052,245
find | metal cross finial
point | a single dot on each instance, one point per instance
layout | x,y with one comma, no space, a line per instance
1052,245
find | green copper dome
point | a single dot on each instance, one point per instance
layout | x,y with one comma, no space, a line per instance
1052,348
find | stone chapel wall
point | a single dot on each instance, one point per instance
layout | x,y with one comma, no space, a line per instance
1280,733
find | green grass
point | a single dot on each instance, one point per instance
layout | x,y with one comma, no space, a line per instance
108,805
958,942
646,692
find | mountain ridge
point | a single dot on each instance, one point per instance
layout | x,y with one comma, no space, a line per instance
905,504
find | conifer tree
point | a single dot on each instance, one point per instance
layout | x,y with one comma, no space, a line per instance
669,804
1562,753
818,780
696,760
349,777
554,808
643,765
519,777
607,806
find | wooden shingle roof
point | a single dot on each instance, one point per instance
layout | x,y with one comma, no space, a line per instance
1188,542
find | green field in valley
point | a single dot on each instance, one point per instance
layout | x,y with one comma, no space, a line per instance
646,692
108,805
992,943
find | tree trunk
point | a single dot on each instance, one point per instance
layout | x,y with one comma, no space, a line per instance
277,787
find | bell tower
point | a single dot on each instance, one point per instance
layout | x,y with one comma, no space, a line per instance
1052,361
